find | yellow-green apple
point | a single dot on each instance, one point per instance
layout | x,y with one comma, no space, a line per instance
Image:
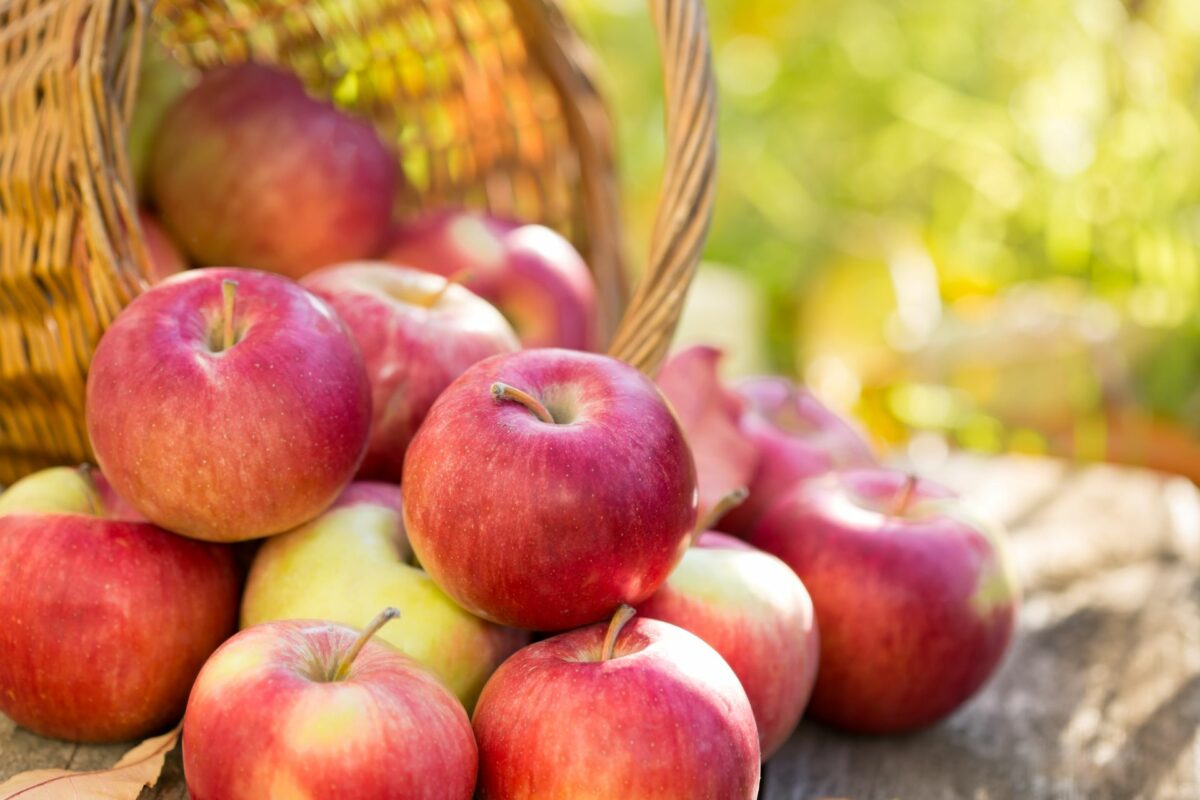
648,710
417,333
531,273
726,458
797,438
306,709
547,487
248,170
753,610
352,560
104,622
914,595
165,258
228,404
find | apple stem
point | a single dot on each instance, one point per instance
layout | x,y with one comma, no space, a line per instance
229,296
455,279
727,503
502,391
345,662
622,615
903,496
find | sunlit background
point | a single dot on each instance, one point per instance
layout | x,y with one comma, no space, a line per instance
974,222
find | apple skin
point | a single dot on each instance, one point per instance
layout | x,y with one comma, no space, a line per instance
353,560
665,717
165,256
797,438
234,444
412,351
104,623
532,274
263,722
248,170
752,609
916,609
549,526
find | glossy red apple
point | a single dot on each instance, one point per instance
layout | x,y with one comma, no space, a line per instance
104,623
753,610
304,708
249,170
547,487
228,404
417,333
797,438
532,274
914,596
645,711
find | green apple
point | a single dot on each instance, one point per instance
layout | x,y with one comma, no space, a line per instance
353,560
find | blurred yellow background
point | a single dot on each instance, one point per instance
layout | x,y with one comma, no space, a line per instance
973,219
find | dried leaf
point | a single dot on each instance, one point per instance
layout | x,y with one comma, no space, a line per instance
137,769
709,412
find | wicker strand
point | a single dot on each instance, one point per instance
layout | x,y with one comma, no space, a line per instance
685,209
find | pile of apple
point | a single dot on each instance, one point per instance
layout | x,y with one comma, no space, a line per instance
366,473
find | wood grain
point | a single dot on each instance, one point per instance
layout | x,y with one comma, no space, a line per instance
1099,698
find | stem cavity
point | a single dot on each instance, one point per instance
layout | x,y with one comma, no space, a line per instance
903,496
622,615
228,297
503,392
346,661
727,503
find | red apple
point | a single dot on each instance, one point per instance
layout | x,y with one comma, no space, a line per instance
532,274
247,169
304,708
417,333
915,597
726,458
753,610
797,438
165,258
648,711
104,623
228,404
546,487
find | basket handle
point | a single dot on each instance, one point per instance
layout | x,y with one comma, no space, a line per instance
689,184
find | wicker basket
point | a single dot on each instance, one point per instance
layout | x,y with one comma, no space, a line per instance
489,102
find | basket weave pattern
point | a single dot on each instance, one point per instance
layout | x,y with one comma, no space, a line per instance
489,104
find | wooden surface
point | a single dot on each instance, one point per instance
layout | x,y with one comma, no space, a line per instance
1099,698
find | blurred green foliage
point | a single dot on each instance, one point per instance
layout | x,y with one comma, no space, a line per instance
1000,141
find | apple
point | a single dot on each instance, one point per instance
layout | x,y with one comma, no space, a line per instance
104,622
165,257
228,404
797,438
547,487
914,595
709,413
417,333
753,610
352,560
306,708
532,274
248,170
645,710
